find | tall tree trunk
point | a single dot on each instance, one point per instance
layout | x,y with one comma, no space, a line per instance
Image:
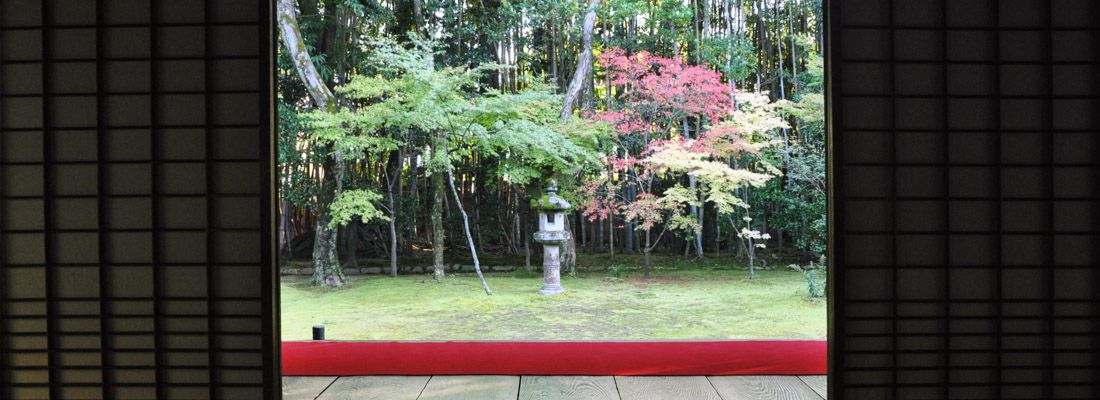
414,201
599,234
698,238
584,62
611,235
526,237
752,260
794,56
348,246
517,223
326,266
740,30
418,15
628,237
729,50
584,232
393,178
820,32
783,95
393,239
568,258
437,218
761,41
284,231
552,54
718,237
700,234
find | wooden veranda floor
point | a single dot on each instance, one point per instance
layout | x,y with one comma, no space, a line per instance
510,387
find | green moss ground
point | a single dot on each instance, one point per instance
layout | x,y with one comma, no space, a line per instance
673,304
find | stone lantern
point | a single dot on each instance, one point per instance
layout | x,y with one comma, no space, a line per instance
551,234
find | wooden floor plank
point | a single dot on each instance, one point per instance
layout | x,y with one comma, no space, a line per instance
377,387
499,387
305,387
763,387
471,387
665,387
819,383
568,388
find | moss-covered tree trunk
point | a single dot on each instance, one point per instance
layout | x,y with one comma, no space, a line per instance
326,265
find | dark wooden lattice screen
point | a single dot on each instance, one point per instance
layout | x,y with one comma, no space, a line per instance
135,200
966,231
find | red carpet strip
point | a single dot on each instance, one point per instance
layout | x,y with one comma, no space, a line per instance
751,357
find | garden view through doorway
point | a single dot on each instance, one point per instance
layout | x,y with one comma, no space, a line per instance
444,164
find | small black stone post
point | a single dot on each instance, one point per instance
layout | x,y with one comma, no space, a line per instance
318,332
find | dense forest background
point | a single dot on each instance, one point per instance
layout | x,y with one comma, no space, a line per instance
417,130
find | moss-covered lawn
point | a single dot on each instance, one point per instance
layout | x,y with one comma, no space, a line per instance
673,304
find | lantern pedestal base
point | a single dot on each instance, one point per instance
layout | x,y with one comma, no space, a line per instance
550,290
551,270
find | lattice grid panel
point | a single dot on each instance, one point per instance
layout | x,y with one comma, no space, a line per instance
966,159
135,199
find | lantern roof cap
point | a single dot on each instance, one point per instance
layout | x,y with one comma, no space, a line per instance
551,201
